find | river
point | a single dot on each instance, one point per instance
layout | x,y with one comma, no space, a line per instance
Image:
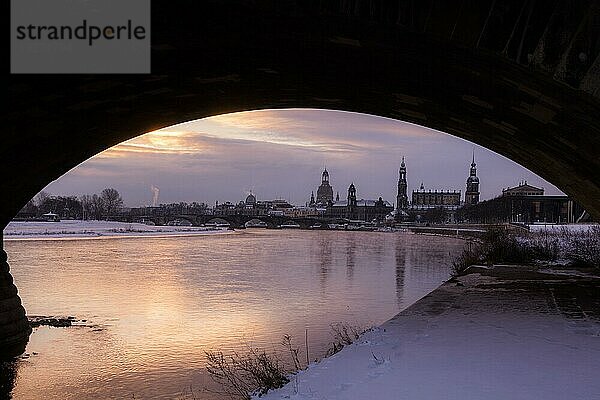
153,305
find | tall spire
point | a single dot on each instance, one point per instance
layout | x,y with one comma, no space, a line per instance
325,175
401,196
473,171
472,193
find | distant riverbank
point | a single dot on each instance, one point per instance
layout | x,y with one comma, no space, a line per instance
75,229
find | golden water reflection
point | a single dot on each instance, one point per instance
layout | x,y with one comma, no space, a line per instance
154,305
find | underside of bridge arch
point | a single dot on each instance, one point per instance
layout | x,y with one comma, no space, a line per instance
521,78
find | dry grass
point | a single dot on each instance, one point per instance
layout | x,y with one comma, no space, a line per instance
343,335
500,246
240,375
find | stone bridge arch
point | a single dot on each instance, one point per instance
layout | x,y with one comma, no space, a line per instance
174,218
256,220
520,78
214,219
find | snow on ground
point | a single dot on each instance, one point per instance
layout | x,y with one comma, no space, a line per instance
559,227
489,339
88,229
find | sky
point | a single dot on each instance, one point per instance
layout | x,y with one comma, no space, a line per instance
281,154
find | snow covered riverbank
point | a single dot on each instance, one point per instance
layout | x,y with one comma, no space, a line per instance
561,227
96,229
499,334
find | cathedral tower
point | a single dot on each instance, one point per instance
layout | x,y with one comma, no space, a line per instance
325,191
351,210
402,197
352,195
472,193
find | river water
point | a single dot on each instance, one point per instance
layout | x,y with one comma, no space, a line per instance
154,305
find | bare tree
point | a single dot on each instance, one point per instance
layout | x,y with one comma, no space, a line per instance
97,207
41,198
112,201
86,206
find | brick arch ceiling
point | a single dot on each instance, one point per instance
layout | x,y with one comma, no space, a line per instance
507,75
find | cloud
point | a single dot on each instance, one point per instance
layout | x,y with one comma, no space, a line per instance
162,142
322,130
282,153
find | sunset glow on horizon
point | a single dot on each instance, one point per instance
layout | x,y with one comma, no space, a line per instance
281,153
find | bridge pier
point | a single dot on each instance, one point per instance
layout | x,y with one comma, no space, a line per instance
14,326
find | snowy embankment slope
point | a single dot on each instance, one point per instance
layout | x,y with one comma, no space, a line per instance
492,338
90,229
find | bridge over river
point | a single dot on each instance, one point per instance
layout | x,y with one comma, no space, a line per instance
234,221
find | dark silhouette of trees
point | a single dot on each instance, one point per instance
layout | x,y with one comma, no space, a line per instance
103,206
86,206
97,207
41,198
436,215
111,201
64,206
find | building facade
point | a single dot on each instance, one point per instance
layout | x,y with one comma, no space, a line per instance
359,209
524,204
424,199
523,189
525,210
426,202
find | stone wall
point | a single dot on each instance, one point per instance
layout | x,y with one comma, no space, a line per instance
14,326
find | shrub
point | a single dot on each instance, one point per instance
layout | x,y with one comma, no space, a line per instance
468,257
501,246
241,374
543,246
583,247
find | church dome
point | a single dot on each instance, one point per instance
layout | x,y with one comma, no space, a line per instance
251,199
